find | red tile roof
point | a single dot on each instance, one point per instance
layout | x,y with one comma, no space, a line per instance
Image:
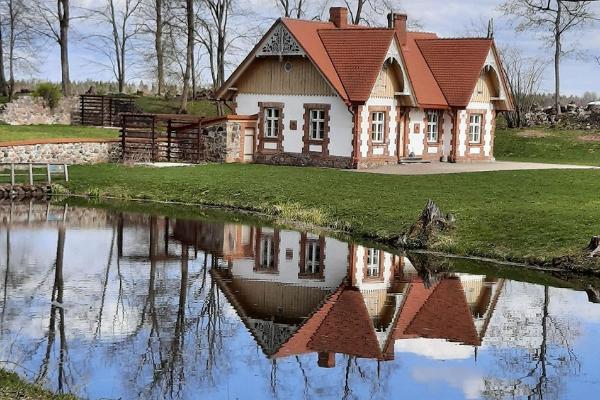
357,55
456,65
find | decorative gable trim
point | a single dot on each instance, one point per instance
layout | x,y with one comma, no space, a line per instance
280,43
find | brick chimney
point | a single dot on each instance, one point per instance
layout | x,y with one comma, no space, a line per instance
397,21
339,16
326,360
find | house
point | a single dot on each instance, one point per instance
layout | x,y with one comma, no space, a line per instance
350,96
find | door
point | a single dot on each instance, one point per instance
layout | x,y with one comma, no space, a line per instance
249,144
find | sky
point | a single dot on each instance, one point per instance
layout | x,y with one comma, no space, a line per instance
450,18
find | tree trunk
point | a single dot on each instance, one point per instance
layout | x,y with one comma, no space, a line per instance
11,50
3,88
189,54
557,52
158,46
63,19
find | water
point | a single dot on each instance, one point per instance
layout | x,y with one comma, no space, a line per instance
110,305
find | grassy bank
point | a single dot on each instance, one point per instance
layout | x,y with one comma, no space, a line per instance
12,387
548,146
160,105
9,133
522,215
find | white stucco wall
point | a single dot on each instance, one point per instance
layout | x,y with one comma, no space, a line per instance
392,124
486,131
340,119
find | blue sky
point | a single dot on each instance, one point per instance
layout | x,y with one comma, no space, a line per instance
451,18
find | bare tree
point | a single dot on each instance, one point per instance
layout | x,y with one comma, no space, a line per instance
292,8
56,17
524,76
153,21
116,45
3,85
554,18
189,13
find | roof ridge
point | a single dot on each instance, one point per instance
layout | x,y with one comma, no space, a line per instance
455,38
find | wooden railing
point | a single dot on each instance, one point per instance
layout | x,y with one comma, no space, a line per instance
161,137
31,172
100,110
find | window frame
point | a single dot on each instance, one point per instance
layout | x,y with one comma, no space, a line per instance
373,258
381,123
272,120
432,127
321,123
471,128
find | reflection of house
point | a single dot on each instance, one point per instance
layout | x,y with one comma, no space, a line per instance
300,293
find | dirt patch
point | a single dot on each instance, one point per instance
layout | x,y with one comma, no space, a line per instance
532,133
594,137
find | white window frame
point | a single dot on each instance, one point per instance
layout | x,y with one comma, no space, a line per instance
317,124
272,115
313,257
373,266
475,127
267,252
378,126
433,118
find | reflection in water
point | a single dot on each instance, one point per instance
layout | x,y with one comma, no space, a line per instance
149,307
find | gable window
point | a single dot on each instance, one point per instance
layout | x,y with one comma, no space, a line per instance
377,126
317,125
475,128
272,122
432,126
372,263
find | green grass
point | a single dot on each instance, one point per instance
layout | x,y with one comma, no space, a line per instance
28,132
547,146
3,100
160,105
12,387
514,215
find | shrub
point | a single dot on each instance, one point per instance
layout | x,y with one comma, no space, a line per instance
49,92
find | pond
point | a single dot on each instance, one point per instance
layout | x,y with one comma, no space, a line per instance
108,304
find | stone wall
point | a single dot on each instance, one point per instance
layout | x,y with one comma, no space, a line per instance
68,153
29,110
222,142
571,117
303,160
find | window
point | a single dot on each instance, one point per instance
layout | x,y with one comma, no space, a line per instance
267,253
313,257
377,126
372,263
317,125
475,128
432,126
272,122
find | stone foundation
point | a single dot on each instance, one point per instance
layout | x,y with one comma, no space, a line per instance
222,142
22,192
68,153
303,160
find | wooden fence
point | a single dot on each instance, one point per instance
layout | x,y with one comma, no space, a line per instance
161,137
31,172
100,110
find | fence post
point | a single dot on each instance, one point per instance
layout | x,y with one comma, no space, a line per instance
123,134
153,140
199,140
12,174
31,174
169,140
82,102
66,170
49,178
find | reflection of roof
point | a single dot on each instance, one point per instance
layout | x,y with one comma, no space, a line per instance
441,312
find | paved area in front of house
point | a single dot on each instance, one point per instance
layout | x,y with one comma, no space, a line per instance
455,168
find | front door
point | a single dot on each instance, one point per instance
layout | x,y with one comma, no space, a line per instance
249,144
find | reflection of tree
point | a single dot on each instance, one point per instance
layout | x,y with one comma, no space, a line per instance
7,271
538,372
57,307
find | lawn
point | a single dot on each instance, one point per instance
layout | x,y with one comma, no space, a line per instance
515,215
548,146
160,105
12,387
9,133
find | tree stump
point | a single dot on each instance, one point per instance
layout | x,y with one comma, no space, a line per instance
593,294
430,222
594,246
